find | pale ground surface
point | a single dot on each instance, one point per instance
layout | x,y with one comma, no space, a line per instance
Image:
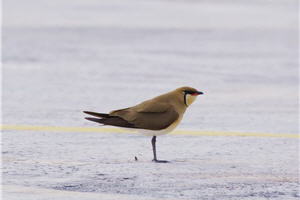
62,57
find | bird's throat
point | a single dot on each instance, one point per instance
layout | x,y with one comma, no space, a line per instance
189,99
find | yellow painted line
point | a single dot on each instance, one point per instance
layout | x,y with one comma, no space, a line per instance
64,129
119,130
229,133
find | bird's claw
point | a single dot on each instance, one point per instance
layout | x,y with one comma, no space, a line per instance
160,161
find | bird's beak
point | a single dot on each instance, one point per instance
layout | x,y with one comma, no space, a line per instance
197,93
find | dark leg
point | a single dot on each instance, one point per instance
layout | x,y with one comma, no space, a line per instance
153,141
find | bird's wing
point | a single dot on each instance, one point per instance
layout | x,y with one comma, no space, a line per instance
155,120
148,115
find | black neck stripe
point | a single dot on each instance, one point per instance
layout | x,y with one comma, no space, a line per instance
185,99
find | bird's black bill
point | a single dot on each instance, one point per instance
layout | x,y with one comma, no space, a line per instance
197,93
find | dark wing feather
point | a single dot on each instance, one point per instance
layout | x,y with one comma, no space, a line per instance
113,121
101,115
155,121
149,116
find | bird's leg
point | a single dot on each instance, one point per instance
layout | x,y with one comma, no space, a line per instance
153,141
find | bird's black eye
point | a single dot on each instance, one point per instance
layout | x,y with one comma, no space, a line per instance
188,92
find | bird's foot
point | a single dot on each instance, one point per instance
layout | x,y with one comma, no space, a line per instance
160,161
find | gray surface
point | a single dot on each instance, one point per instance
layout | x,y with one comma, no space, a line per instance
62,57
206,167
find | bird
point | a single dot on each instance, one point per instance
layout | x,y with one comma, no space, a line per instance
157,116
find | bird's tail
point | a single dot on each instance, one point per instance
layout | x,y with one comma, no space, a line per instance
106,119
100,115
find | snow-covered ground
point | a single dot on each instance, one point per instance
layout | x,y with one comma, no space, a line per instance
64,56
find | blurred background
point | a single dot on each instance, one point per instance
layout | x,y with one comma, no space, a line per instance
64,56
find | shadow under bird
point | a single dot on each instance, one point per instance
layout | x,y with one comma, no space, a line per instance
153,117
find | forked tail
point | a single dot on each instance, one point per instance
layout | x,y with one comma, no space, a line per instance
106,119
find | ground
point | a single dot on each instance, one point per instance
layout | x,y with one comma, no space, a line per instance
203,167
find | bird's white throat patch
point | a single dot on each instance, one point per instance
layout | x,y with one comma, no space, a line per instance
190,99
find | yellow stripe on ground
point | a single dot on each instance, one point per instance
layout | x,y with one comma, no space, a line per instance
118,130
64,129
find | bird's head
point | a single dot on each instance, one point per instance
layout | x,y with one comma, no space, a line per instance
188,95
